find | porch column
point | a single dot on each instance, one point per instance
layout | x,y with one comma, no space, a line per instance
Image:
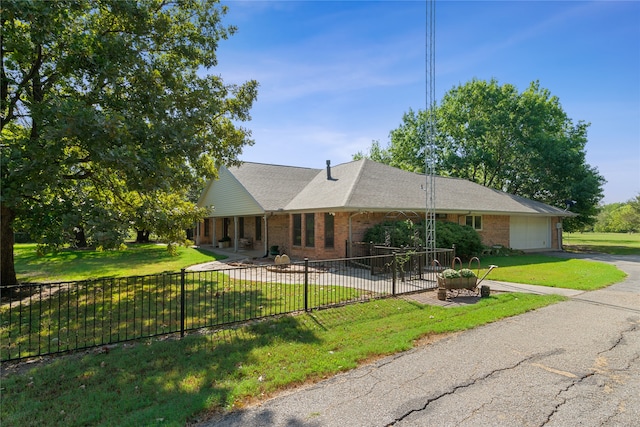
198,233
235,233
266,235
214,238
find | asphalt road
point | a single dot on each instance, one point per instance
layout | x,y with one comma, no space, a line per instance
573,363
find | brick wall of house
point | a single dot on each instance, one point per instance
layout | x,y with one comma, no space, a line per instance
359,225
205,230
362,222
495,230
278,235
318,250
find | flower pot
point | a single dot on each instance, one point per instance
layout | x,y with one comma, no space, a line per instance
457,282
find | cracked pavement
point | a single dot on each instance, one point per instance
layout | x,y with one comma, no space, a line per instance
573,363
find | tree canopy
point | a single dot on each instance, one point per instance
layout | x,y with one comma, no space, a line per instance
520,143
109,109
619,217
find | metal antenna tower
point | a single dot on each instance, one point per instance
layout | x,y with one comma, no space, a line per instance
430,132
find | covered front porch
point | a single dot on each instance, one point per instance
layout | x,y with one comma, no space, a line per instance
234,254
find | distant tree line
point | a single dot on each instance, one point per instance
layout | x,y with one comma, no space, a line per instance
618,217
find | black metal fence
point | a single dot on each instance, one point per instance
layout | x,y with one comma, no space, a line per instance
40,319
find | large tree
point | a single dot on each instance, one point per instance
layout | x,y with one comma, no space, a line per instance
521,143
104,99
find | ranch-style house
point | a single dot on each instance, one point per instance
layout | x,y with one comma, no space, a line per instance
317,213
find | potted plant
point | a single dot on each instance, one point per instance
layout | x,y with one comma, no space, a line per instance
469,278
457,279
224,242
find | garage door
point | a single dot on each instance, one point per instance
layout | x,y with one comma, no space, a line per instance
530,232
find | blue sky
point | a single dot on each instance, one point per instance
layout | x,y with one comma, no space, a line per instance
336,75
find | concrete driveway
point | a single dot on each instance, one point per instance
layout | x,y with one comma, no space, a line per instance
573,363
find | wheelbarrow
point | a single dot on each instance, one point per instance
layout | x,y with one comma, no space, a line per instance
453,286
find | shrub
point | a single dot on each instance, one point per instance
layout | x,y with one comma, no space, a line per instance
465,238
406,233
400,233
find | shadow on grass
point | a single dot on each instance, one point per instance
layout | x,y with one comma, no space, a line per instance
83,264
54,318
149,383
604,249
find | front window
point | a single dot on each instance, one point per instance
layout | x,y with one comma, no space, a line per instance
309,228
328,230
297,229
474,221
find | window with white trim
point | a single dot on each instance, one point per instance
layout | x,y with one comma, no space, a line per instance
474,221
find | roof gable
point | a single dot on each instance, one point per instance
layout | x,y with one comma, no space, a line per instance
226,196
362,185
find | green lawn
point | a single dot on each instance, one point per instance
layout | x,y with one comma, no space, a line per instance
610,243
136,260
172,382
545,270
98,313
168,381
151,259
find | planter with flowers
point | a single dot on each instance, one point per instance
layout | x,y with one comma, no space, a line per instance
453,281
457,279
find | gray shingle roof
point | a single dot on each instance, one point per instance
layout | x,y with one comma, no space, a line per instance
273,186
365,185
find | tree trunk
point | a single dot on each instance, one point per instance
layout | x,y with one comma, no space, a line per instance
80,238
142,236
7,268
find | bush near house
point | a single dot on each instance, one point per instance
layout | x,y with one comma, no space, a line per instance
467,240
407,233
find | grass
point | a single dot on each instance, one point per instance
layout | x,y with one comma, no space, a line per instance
110,310
95,313
137,259
170,383
544,270
151,259
609,243
173,382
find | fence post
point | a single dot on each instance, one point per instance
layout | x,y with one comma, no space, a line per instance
306,284
394,266
373,260
182,280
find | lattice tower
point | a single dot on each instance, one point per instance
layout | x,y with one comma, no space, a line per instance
430,132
